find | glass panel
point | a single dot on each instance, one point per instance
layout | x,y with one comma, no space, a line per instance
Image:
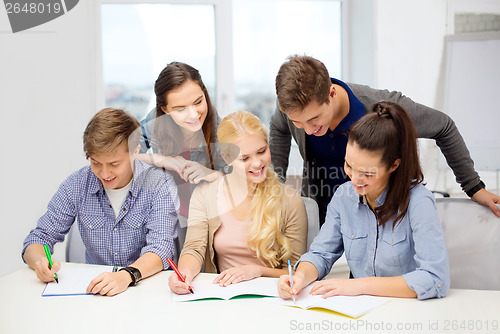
139,40
266,32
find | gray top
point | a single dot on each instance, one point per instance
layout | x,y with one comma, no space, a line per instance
430,123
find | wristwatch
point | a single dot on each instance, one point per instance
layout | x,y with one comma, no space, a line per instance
475,189
134,273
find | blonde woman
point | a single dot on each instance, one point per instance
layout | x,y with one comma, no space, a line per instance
246,224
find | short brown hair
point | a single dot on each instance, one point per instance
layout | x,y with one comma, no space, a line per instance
108,129
300,80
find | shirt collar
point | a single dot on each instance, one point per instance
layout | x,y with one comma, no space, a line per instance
379,200
96,186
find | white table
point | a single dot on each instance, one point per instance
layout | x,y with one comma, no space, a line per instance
147,307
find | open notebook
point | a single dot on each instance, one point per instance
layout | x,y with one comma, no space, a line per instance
203,288
73,281
352,306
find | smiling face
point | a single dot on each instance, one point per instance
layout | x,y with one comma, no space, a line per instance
187,106
368,174
254,158
315,119
114,169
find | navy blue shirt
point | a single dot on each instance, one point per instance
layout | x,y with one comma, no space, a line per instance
327,153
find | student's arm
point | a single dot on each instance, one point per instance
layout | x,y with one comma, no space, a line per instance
110,284
195,246
376,286
35,258
280,142
324,251
296,223
433,124
172,163
51,228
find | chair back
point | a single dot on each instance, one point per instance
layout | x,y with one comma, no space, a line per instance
75,249
472,234
312,219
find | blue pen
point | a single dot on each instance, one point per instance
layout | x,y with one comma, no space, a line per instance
290,273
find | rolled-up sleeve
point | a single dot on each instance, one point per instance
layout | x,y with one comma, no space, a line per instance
162,225
431,278
56,222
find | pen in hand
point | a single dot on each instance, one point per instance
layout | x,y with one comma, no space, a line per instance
174,267
47,253
290,274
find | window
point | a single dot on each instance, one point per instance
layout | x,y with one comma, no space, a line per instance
139,40
266,32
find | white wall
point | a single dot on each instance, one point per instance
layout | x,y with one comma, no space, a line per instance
409,57
46,85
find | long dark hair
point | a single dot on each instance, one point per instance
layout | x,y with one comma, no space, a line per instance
167,132
389,129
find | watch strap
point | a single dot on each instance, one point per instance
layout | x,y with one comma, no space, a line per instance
135,274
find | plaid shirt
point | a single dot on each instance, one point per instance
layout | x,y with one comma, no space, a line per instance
147,221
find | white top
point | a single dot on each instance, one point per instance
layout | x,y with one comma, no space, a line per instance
117,197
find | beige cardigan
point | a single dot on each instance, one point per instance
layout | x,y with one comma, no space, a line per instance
201,228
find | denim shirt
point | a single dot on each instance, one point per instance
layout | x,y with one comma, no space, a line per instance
147,221
415,248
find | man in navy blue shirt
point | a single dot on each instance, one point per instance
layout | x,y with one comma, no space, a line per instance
317,111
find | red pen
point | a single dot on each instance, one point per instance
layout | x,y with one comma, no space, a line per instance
174,267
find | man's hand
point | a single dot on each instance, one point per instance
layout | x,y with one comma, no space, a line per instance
110,284
488,199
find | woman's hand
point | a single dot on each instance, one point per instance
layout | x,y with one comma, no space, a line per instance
179,287
337,287
284,289
238,274
195,172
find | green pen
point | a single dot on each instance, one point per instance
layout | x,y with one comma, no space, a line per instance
47,252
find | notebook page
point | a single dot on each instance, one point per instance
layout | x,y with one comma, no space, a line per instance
204,288
73,281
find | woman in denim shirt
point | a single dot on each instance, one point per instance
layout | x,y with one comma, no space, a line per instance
384,219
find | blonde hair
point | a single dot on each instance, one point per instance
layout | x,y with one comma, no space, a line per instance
266,237
108,129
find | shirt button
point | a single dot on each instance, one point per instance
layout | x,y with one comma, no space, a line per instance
352,236
110,206
115,229
90,225
116,253
139,225
439,285
331,135
371,271
333,148
124,209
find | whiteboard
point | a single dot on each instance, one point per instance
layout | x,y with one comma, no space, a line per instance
472,94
